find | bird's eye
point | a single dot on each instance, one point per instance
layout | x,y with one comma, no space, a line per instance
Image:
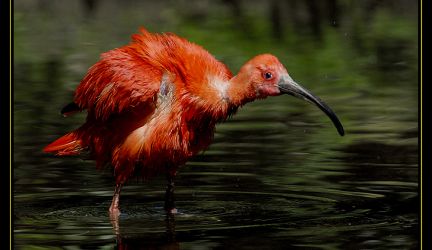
268,75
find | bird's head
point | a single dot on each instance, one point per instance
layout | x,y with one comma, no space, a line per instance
264,76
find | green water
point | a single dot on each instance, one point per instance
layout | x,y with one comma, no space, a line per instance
277,176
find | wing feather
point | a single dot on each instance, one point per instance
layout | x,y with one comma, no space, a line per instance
121,80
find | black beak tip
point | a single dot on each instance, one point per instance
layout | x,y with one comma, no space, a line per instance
338,125
341,131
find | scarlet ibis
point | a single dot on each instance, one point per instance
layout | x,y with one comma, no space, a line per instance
154,103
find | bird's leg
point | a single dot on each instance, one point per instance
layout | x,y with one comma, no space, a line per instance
169,195
114,208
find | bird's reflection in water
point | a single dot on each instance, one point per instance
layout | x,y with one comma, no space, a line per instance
167,241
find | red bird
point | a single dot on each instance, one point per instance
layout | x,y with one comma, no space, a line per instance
154,103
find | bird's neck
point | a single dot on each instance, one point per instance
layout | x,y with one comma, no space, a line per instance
228,92
240,91
220,97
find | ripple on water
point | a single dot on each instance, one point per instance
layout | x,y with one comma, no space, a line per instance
200,210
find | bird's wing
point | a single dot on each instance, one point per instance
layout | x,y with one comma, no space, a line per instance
120,81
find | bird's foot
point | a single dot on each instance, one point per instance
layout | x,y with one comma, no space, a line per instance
171,210
114,212
169,196
170,204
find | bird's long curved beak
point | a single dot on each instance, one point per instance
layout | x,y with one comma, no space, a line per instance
288,86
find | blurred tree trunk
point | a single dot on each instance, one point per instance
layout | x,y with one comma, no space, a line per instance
89,7
275,20
333,12
238,16
293,10
314,18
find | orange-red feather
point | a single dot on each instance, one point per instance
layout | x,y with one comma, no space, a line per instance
150,105
69,144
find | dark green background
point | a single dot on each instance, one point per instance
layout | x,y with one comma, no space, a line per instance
277,175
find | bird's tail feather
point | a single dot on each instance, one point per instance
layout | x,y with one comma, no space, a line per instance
69,144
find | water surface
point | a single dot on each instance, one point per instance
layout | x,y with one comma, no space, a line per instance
277,176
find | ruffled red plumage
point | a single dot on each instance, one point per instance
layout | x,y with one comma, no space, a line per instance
149,104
